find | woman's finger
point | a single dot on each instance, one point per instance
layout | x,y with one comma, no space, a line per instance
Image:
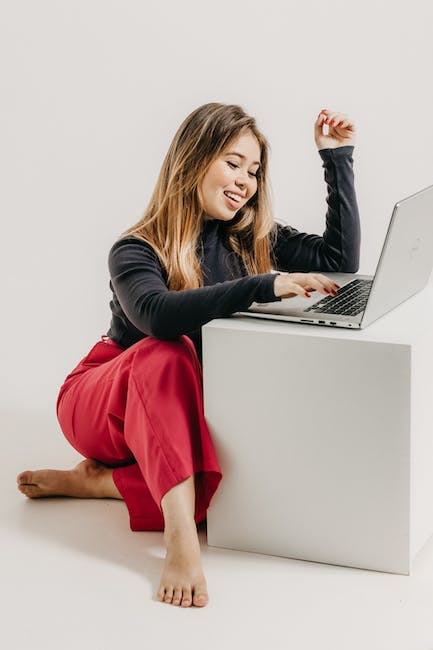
301,283
335,118
348,124
299,290
310,277
325,279
331,286
344,121
329,116
322,286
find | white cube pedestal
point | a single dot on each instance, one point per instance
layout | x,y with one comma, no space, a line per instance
324,437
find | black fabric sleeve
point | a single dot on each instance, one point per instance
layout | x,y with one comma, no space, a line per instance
338,248
139,283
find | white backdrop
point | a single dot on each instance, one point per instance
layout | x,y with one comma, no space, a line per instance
92,93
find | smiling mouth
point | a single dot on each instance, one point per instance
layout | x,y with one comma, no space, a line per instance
234,203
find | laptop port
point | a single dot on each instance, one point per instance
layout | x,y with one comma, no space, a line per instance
332,322
321,322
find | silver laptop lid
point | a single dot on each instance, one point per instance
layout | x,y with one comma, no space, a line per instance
406,260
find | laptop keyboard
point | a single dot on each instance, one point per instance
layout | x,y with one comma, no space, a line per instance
349,301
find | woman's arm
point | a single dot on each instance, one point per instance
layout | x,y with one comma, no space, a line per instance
139,286
338,248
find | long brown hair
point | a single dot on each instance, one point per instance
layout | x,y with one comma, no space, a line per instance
173,218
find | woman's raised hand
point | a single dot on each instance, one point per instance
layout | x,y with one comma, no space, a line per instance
342,131
288,285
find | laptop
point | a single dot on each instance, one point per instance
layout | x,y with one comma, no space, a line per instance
403,269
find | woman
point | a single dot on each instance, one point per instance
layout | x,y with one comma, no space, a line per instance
204,249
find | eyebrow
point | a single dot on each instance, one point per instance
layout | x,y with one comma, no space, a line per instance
241,155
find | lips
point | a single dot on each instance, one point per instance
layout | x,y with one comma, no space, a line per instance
232,203
236,194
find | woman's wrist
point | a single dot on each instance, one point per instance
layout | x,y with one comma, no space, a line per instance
278,291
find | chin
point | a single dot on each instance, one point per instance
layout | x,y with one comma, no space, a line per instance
222,215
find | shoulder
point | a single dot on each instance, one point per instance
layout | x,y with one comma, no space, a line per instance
131,242
132,251
132,246
283,230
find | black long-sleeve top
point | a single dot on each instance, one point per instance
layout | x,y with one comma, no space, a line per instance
142,304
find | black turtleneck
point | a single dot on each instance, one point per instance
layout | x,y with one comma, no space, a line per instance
142,304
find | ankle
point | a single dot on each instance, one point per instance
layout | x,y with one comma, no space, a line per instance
180,533
108,486
96,479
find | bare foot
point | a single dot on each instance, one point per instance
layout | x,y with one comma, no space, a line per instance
183,582
89,479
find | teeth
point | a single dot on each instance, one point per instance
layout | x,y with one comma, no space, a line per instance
233,196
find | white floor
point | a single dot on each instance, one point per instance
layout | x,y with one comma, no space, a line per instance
73,575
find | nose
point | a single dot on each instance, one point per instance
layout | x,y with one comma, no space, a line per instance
242,180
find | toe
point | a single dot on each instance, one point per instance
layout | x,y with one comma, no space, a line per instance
160,593
24,477
31,491
177,596
200,598
187,597
168,594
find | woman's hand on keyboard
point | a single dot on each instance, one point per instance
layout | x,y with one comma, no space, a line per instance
288,285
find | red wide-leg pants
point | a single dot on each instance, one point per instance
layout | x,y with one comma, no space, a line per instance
140,410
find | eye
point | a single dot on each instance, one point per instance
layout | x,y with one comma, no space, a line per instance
234,166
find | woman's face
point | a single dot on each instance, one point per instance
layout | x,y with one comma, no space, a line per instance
233,172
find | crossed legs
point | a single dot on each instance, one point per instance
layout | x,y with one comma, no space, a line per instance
183,582
142,404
